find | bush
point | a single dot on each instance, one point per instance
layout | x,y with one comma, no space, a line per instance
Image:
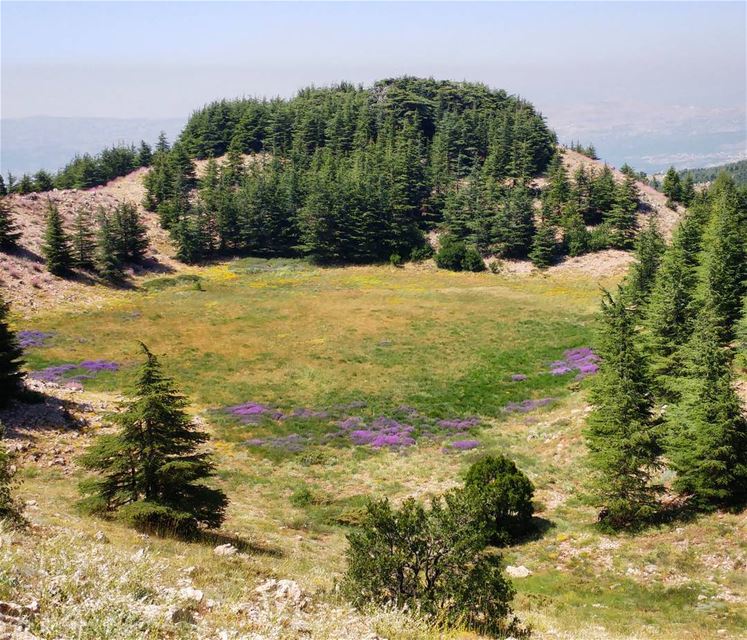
451,254
396,260
599,238
149,517
10,508
431,560
472,260
423,252
501,495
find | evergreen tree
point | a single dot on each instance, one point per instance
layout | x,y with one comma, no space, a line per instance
144,154
576,237
516,223
56,248
708,433
558,190
688,190
108,261
621,219
10,508
544,245
163,144
621,437
131,234
581,194
11,360
43,181
150,473
670,312
83,240
3,188
25,185
8,233
649,249
671,186
603,194
725,259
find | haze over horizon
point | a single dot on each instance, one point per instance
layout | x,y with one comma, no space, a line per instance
650,84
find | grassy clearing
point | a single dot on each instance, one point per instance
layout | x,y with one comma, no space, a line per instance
291,335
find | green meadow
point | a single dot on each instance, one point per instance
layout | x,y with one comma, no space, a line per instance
291,335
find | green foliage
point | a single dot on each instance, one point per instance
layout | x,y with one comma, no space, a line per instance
83,240
501,495
11,510
544,245
450,254
8,233
56,247
725,259
108,261
357,174
649,249
737,170
472,260
576,237
621,218
620,434
671,186
708,430
11,360
150,472
432,560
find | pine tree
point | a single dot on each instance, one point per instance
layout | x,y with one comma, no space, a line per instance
8,233
11,360
708,446
3,188
544,245
649,249
725,258
163,144
558,189
603,194
10,508
130,232
576,237
620,435
83,240
43,181
621,219
670,313
671,186
56,248
150,472
144,154
108,262
688,190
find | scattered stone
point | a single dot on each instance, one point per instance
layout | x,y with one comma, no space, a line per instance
518,572
139,555
284,593
100,537
225,550
190,593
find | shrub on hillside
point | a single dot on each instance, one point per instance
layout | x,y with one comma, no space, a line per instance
430,560
472,260
10,508
501,495
450,254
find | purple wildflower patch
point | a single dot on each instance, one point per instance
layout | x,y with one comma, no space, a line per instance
459,424
518,377
527,405
58,374
462,445
30,338
583,360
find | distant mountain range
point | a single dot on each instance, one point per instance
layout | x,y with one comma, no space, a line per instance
30,144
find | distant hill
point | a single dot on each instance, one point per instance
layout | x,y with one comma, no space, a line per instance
737,170
30,144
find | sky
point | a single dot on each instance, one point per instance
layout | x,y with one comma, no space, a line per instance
655,81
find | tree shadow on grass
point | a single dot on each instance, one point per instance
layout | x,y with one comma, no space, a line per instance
41,412
218,538
538,529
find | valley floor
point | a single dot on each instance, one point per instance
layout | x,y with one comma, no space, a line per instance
321,346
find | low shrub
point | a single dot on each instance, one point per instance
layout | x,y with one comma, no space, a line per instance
501,495
451,254
430,560
422,252
149,517
472,260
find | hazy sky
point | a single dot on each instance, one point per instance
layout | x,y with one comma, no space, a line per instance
592,68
